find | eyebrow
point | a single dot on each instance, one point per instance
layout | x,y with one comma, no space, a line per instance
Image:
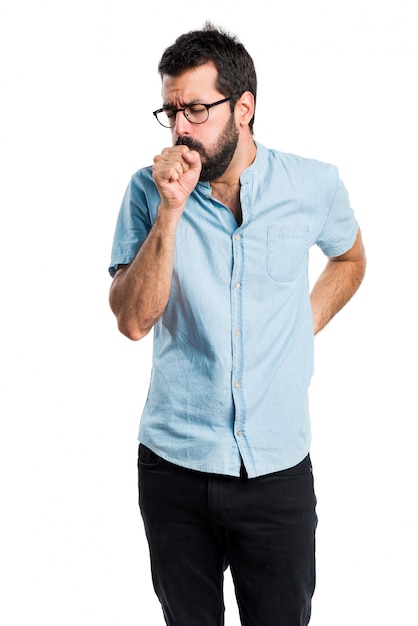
170,105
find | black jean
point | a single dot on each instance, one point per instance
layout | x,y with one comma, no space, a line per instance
263,528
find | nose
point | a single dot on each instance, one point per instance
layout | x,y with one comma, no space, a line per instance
182,125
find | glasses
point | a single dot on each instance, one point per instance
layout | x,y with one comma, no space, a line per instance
197,113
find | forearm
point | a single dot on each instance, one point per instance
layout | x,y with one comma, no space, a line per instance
139,292
335,286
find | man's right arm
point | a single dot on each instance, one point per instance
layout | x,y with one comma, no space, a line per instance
139,292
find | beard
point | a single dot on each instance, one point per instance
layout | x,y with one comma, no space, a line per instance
214,164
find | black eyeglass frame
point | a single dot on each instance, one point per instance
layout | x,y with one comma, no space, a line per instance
175,111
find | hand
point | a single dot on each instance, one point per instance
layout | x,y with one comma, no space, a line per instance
176,173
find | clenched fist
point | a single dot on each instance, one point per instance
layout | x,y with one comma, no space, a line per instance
176,173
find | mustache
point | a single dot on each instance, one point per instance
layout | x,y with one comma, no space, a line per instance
190,143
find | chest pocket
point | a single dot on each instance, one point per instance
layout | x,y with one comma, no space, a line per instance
286,250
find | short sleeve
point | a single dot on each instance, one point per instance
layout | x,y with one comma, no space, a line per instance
340,229
136,215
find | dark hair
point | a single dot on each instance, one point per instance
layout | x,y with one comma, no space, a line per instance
236,71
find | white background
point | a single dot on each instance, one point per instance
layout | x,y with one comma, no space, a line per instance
337,82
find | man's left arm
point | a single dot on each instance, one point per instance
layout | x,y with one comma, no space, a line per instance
338,282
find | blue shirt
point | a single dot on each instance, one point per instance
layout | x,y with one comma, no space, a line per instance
233,352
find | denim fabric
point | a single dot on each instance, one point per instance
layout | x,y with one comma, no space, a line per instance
233,351
263,528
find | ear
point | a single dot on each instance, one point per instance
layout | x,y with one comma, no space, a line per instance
244,108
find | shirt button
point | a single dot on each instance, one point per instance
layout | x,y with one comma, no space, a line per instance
237,285
239,432
237,384
237,237
237,332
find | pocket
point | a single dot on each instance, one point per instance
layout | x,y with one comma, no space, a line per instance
286,250
147,456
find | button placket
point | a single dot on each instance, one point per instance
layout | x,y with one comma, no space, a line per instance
236,325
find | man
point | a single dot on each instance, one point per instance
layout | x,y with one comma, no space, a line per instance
211,251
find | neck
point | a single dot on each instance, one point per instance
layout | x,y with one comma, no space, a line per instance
227,187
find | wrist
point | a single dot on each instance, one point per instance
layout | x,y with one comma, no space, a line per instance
167,221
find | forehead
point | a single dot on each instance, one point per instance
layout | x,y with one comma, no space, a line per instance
195,84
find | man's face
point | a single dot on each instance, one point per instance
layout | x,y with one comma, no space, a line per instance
217,138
